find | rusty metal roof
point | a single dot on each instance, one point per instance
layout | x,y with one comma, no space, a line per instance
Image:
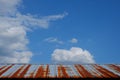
59,71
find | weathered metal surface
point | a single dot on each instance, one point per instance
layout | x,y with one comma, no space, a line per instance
59,71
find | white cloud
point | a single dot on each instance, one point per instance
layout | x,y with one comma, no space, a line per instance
43,22
73,56
9,7
73,40
13,42
13,29
17,57
53,40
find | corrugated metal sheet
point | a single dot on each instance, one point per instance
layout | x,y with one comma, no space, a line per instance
59,71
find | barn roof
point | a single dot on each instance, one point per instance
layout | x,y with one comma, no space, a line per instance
59,71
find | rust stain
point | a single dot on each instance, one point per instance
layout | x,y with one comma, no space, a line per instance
114,67
31,75
62,71
59,72
2,67
16,74
96,75
105,72
24,71
47,71
76,66
5,69
86,72
83,72
39,72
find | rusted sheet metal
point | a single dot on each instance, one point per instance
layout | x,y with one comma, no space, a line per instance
105,72
84,73
5,69
115,67
17,73
59,71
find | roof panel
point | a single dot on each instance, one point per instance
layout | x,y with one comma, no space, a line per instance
59,71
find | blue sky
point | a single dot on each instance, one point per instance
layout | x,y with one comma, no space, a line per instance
93,24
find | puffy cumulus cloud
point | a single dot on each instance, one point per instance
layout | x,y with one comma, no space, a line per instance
73,40
13,29
13,43
9,7
73,56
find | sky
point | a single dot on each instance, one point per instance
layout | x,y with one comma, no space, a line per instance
60,31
